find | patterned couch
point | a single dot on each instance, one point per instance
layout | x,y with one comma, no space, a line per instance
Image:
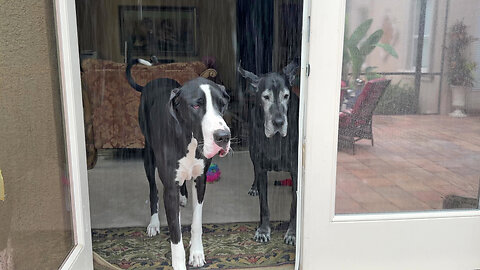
111,105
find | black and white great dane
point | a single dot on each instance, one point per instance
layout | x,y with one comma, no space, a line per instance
273,139
183,128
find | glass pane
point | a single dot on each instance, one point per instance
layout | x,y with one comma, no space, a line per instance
35,212
407,141
184,40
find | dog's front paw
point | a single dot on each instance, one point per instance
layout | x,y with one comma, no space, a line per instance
253,191
197,257
154,225
262,235
179,265
178,256
290,237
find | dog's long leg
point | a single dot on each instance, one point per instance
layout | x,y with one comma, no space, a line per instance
253,189
292,227
263,232
149,164
172,209
197,256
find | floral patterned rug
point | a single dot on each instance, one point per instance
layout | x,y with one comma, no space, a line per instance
226,246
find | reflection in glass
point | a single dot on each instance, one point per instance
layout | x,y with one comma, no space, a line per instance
400,147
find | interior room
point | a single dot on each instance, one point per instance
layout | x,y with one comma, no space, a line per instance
212,39
191,38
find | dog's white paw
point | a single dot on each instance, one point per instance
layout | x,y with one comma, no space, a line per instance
179,266
253,191
262,234
183,200
290,237
154,225
197,257
178,256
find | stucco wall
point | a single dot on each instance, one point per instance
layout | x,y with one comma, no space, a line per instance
32,156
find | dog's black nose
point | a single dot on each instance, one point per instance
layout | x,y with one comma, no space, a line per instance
278,122
221,137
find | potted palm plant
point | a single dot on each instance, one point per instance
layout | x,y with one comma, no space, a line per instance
358,46
460,68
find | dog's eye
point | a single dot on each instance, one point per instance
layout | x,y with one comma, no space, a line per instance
197,104
286,96
266,97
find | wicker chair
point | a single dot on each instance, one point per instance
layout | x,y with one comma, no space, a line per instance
356,124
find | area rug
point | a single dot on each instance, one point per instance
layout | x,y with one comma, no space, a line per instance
226,246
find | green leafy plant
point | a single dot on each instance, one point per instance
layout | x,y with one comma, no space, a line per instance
358,46
398,99
460,69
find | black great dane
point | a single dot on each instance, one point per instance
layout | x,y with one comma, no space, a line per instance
273,139
183,128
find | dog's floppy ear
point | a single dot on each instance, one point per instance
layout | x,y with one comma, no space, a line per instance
251,78
224,92
290,71
173,102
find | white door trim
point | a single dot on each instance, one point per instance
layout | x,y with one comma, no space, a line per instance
301,128
326,34
69,68
439,214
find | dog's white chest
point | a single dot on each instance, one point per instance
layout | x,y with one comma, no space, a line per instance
189,167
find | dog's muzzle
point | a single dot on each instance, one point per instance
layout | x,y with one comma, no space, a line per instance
221,138
277,125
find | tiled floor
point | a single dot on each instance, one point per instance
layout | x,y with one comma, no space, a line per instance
417,160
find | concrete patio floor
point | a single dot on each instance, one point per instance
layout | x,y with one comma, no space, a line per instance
417,160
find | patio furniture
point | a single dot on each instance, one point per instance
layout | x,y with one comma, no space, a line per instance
356,124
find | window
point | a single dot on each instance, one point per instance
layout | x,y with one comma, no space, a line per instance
427,36
476,57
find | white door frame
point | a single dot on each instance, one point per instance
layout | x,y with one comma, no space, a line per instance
420,240
69,67
301,129
370,241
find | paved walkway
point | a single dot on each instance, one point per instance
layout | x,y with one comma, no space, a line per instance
417,160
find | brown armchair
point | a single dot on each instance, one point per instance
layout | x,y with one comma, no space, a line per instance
111,104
